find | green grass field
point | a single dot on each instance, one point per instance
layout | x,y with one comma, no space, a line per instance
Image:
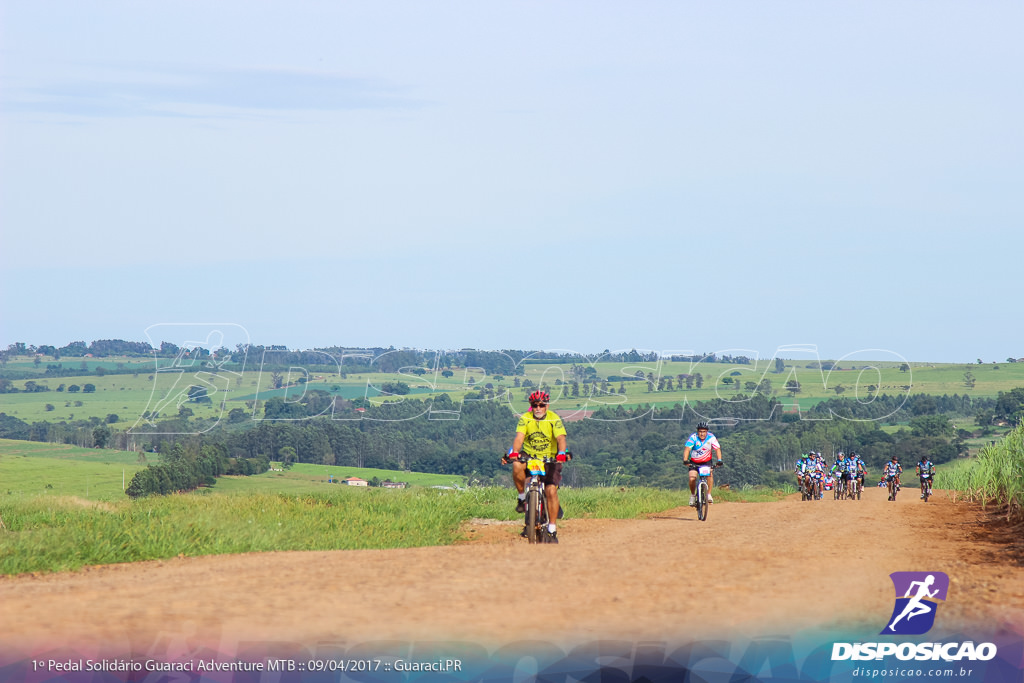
130,395
31,469
73,524
64,508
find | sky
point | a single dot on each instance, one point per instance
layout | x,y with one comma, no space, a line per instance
672,176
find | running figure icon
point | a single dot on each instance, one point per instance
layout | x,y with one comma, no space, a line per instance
916,607
917,594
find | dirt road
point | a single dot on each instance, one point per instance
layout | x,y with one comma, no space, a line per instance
757,568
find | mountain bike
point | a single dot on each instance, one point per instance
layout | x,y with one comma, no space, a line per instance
926,486
536,509
703,495
893,488
851,488
816,486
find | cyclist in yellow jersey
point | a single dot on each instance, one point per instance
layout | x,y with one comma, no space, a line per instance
539,433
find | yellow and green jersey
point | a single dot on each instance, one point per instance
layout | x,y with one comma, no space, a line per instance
541,435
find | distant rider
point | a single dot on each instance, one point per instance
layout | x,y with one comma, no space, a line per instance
926,467
539,434
841,471
805,468
892,470
699,449
860,470
799,469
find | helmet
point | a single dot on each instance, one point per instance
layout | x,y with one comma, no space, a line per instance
539,397
702,425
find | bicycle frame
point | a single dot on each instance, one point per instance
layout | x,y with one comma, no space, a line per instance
926,486
703,489
536,506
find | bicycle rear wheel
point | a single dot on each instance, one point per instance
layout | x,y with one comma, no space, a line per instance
702,501
532,505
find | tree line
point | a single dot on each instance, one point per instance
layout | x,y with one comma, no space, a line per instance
186,468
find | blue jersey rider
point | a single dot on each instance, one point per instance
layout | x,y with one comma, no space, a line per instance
926,471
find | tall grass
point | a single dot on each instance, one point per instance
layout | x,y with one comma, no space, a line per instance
995,477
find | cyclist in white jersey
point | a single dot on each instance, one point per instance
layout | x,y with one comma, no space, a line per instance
700,447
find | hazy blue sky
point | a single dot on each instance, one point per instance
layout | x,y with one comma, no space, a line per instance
539,175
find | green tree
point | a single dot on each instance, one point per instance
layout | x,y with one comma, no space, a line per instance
100,436
288,456
931,425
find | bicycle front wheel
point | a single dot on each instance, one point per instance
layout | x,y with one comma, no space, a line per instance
532,506
702,501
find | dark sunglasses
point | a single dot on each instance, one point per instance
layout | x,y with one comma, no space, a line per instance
538,405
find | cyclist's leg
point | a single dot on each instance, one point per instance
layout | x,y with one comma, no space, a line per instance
519,479
552,480
519,475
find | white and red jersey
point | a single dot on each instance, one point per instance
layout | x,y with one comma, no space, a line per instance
700,451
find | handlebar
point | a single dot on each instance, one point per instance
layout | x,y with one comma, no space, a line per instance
506,458
694,465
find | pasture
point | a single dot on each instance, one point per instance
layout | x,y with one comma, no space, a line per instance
130,396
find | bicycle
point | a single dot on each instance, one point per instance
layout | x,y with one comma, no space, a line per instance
926,486
536,516
851,488
893,487
703,488
536,510
816,487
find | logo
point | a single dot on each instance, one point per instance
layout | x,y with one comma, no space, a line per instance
917,594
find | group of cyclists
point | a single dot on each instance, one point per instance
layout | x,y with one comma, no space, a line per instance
541,434
814,476
846,475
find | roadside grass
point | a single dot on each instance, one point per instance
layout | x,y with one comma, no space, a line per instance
994,477
64,508
50,532
60,533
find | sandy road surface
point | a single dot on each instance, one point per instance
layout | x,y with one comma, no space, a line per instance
760,569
